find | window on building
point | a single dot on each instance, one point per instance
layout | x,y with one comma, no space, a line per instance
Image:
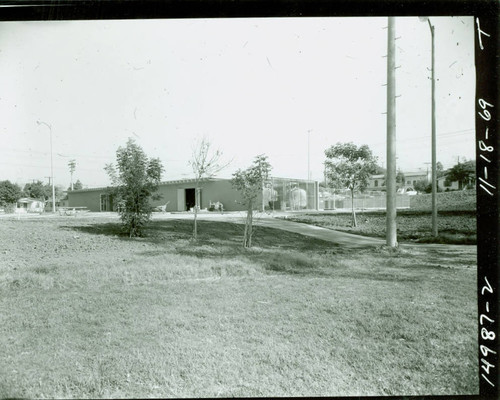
376,183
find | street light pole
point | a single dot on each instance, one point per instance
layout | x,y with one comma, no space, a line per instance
433,138
51,166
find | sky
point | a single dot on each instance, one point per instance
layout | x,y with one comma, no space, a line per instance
285,87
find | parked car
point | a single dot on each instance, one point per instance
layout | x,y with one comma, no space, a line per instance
409,191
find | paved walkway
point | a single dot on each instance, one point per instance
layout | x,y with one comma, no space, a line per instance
341,238
269,220
330,235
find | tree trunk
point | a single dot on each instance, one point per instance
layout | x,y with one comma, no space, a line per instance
195,226
354,222
247,236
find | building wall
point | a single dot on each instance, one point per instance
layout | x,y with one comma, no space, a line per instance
220,190
411,179
440,182
211,191
86,198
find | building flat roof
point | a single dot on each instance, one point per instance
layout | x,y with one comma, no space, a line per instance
190,180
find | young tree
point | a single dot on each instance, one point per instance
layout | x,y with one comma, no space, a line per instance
249,183
206,163
9,193
349,166
135,181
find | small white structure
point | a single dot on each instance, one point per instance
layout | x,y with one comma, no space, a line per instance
28,205
298,198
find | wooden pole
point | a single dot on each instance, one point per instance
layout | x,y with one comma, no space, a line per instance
433,145
391,234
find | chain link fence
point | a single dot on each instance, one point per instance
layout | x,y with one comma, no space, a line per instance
375,200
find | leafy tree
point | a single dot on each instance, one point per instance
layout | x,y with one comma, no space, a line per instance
9,193
206,163
439,170
250,183
379,170
463,172
349,166
76,186
38,190
422,186
134,182
59,192
425,187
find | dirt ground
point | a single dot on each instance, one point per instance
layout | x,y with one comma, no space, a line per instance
45,238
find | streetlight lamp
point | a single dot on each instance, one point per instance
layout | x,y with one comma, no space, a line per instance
51,165
433,139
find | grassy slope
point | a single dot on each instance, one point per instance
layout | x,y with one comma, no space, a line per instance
90,314
412,226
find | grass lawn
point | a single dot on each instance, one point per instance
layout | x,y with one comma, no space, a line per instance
412,226
87,313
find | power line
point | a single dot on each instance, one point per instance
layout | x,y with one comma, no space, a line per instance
445,135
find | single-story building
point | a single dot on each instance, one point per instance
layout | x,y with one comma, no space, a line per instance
179,195
377,182
30,205
411,178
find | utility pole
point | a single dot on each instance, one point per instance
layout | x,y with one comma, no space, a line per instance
391,234
51,165
433,139
72,166
434,169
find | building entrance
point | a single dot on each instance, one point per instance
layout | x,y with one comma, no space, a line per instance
190,198
106,202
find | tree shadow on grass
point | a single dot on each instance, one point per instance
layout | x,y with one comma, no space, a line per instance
210,233
277,251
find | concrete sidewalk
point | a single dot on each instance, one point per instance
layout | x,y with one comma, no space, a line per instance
270,221
329,235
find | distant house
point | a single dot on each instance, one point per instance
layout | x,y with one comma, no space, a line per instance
30,205
376,182
411,178
444,185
